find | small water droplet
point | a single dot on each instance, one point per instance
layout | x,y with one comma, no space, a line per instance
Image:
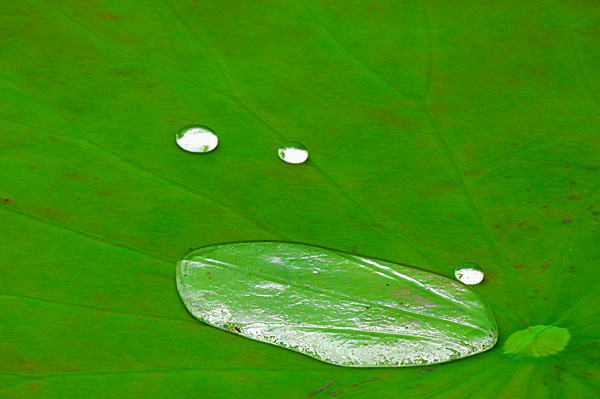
198,139
293,152
469,273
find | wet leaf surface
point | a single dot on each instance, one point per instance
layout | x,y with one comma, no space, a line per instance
438,135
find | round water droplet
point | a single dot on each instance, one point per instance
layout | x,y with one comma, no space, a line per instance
197,139
293,152
469,273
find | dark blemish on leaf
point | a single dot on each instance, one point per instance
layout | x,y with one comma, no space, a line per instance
388,285
32,167
572,182
108,16
595,213
547,265
524,222
430,370
574,197
237,329
95,178
78,198
544,206
7,200
362,382
515,143
496,226
208,275
528,202
572,267
519,266
334,393
414,386
526,189
566,221
322,388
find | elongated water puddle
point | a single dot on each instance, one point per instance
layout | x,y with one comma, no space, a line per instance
340,308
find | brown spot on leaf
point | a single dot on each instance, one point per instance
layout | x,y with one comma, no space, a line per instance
574,197
523,223
362,382
425,371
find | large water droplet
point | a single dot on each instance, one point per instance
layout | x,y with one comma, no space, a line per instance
197,139
469,273
268,291
293,152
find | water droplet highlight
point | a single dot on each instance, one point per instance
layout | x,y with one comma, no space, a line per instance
293,152
469,273
197,139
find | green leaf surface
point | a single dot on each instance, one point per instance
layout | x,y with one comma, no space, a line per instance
439,133
340,308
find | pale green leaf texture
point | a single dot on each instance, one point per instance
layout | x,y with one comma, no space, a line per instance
439,133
